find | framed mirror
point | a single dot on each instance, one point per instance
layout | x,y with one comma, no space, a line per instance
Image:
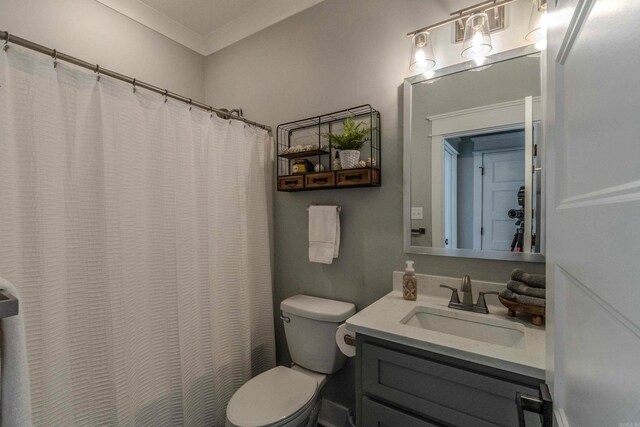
473,173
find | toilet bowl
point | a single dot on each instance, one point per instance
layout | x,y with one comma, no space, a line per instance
288,397
278,397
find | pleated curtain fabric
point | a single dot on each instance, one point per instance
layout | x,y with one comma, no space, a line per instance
137,233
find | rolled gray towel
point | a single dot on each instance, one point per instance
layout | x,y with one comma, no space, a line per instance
507,294
533,280
522,289
522,299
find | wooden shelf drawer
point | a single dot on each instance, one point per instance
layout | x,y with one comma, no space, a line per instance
290,183
351,177
318,180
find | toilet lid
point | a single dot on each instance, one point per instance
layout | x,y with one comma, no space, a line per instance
271,397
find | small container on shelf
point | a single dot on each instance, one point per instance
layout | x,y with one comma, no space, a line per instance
309,147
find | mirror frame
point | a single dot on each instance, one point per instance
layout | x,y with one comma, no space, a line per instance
407,122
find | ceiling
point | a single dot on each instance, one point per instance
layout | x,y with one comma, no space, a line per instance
207,26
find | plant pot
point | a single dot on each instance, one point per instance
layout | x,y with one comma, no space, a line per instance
349,158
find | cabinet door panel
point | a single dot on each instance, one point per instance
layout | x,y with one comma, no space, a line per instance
439,390
378,415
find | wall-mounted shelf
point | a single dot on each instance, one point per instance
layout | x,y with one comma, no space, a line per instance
303,154
304,140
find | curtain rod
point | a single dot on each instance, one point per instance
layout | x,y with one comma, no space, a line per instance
59,56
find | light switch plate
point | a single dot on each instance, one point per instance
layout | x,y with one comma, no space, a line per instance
416,213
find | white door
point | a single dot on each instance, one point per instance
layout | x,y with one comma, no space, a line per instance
503,174
593,211
450,196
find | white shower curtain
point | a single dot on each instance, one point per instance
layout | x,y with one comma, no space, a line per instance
137,234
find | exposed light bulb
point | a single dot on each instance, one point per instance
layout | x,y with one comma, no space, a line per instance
420,59
477,41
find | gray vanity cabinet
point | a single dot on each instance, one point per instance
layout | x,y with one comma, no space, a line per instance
398,385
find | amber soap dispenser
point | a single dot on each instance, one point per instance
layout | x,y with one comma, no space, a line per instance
409,283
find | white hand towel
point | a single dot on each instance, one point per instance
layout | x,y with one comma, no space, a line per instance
15,402
324,233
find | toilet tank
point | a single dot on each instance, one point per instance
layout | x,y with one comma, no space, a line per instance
310,326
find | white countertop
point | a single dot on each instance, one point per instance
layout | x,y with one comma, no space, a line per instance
382,319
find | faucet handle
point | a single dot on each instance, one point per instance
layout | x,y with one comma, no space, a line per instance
481,300
454,294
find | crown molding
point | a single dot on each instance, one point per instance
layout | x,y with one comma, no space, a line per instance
263,15
159,22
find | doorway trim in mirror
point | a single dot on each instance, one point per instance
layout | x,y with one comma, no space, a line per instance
407,156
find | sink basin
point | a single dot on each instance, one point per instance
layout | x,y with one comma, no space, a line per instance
467,325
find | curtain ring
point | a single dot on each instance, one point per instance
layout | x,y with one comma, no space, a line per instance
190,107
166,96
134,85
54,55
98,72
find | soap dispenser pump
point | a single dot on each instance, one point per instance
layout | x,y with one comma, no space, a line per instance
409,283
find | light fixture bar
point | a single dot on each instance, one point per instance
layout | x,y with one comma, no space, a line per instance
463,13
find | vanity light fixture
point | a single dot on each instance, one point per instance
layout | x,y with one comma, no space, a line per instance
476,41
538,24
422,58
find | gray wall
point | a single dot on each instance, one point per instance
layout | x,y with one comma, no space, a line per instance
91,31
338,54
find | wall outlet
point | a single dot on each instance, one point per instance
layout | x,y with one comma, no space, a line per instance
416,213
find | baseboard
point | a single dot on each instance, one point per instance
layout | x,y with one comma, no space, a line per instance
333,415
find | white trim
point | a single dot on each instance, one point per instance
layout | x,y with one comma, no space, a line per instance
480,109
478,159
580,15
528,172
454,186
406,170
485,117
262,15
437,193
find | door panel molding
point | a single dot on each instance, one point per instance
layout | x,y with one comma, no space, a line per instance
623,320
578,19
628,192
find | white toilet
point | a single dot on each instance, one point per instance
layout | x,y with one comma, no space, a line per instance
291,396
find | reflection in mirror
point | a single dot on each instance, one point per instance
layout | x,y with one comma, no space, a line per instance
473,136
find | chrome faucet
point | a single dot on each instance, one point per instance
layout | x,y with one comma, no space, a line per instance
467,297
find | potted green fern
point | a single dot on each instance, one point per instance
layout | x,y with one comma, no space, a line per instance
349,142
